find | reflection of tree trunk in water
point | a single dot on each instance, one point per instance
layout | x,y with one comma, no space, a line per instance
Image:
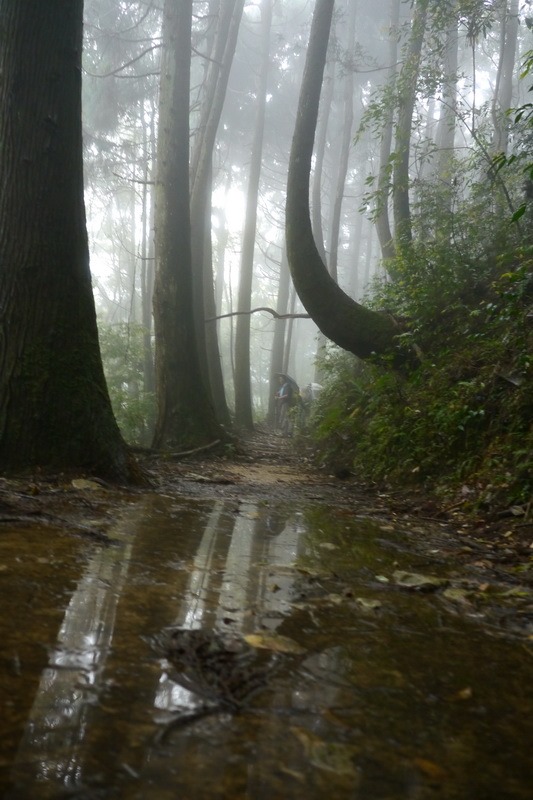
83,645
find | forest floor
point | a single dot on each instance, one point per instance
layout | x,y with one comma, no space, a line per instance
493,555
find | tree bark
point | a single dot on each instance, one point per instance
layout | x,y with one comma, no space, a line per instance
355,328
280,326
185,416
55,411
383,228
448,114
344,151
407,83
504,79
230,14
243,392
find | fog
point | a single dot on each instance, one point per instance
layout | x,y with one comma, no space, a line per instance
351,181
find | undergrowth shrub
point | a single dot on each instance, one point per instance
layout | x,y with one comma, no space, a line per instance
463,415
121,346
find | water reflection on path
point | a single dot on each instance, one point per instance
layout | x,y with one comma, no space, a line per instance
391,697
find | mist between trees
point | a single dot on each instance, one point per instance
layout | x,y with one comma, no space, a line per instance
408,126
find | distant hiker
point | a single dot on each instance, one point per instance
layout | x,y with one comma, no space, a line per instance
287,397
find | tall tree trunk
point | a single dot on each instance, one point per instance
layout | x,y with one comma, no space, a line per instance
407,83
448,114
503,92
243,394
201,171
185,417
383,229
344,150
54,405
352,326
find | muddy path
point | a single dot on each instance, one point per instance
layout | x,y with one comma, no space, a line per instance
251,627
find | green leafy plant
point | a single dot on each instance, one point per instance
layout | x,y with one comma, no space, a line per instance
122,355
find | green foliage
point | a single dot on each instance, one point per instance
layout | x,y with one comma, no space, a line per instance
122,355
463,415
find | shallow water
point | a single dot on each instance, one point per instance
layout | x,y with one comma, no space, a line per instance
374,692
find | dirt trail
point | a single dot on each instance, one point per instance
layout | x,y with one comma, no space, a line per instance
496,554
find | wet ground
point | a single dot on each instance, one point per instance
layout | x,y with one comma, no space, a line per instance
253,630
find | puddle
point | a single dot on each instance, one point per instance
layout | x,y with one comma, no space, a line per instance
370,690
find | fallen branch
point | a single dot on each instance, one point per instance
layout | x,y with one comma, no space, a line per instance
260,308
194,450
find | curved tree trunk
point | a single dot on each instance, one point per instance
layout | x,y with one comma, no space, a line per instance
54,405
350,325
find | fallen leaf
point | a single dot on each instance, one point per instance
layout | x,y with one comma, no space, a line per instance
274,642
82,483
416,581
463,694
431,770
457,595
368,604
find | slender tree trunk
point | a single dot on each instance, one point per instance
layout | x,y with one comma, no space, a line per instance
448,115
55,411
383,229
503,93
185,416
147,265
280,326
344,151
243,394
214,363
407,84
